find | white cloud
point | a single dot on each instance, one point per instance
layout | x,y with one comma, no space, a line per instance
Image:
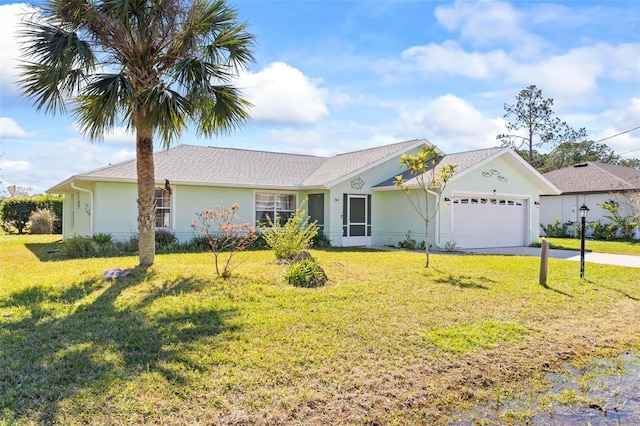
452,123
282,93
10,17
14,166
451,58
117,135
10,129
484,23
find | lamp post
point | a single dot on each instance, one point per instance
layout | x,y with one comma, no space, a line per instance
583,217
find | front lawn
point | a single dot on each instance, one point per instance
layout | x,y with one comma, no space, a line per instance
613,247
386,342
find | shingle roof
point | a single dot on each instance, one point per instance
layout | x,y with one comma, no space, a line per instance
340,165
241,167
462,160
225,166
595,177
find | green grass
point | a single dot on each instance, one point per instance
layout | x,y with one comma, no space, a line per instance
385,342
613,247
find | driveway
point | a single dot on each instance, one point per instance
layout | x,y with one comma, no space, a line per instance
589,257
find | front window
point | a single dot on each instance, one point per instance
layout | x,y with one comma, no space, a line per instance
277,207
163,208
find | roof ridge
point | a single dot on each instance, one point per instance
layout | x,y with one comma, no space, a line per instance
251,150
380,147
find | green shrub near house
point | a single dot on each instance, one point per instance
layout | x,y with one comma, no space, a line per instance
15,212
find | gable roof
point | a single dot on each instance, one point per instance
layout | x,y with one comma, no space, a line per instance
592,177
202,165
468,161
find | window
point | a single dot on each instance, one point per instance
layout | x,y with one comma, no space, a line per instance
277,207
163,208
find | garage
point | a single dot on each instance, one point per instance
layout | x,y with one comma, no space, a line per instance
489,222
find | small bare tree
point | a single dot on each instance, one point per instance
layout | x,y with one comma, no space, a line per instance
225,232
430,177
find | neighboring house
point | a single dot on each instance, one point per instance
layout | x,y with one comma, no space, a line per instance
590,184
490,202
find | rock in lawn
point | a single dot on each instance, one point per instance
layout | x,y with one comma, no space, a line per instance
113,273
302,256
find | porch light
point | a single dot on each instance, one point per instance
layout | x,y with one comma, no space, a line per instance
537,204
447,201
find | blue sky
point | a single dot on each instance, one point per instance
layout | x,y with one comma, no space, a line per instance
336,76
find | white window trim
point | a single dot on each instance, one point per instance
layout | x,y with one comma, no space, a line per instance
256,192
172,215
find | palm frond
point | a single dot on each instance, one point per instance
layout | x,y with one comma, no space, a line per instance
223,112
167,112
56,65
104,103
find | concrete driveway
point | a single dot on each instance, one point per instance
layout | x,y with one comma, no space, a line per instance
589,257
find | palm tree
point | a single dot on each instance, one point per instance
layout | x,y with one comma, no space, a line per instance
153,66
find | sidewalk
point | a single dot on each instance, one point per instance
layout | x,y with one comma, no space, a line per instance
589,257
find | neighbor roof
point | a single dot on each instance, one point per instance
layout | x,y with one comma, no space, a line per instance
200,165
594,177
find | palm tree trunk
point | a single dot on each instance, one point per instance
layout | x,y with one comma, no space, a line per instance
146,198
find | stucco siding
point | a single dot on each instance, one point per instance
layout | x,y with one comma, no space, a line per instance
394,217
116,209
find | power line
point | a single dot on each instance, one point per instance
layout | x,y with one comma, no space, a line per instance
621,133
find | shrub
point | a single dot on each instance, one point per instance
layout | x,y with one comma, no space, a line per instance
42,221
15,212
408,242
225,232
165,240
80,247
306,274
197,244
320,241
130,245
295,235
626,225
556,229
102,238
603,231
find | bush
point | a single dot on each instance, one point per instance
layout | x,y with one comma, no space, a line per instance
295,235
197,244
556,229
15,212
306,274
603,231
80,247
102,238
165,240
320,241
626,225
408,242
42,221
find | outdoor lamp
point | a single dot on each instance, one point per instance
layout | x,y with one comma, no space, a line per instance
583,211
583,216
447,201
537,204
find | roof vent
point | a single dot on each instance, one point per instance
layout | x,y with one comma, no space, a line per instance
581,165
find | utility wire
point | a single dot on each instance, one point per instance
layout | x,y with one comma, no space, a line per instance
621,133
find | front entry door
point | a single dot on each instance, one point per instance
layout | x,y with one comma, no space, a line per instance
356,222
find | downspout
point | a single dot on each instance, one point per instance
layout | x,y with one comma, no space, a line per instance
77,188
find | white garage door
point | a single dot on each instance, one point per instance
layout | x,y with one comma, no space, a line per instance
489,222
